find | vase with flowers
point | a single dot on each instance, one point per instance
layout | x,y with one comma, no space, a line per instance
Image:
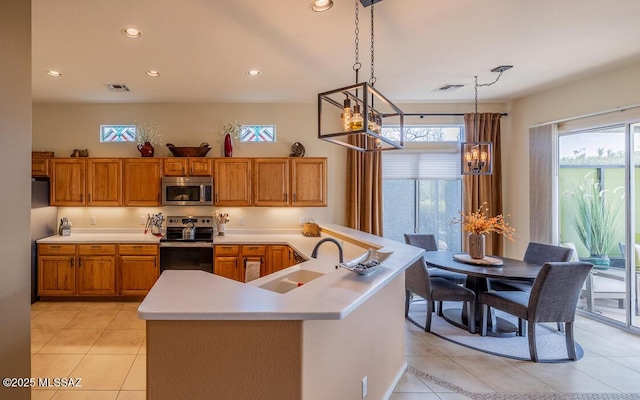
477,224
230,130
221,220
147,135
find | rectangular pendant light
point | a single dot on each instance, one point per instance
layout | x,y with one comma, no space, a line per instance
379,127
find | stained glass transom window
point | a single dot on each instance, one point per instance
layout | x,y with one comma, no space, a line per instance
117,133
258,133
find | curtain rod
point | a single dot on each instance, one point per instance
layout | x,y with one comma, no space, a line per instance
422,115
594,114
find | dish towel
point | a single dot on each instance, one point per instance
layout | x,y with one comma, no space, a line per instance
252,271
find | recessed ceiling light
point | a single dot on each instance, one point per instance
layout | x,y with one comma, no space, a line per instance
131,32
253,72
57,74
153,73
321,5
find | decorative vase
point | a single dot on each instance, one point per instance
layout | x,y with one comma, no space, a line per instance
146,149
228,146
476,246
220,227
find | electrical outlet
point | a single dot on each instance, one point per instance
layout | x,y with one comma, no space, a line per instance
364,387
143,219
240,221
302,220
92,220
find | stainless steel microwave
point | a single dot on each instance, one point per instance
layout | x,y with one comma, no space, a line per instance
187,191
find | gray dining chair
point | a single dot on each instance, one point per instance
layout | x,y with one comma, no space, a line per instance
428,242
536,253
553,298
435,290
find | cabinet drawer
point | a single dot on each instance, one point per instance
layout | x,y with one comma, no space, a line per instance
258,250
138,249
96,249
226,250
56,249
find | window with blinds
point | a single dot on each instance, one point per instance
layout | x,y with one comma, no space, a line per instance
422,191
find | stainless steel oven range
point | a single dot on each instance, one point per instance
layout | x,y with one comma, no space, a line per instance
187,244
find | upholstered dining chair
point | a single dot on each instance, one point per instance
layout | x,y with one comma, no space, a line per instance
418,281
427,241
553,298
536,253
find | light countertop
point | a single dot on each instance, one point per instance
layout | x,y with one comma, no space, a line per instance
198,295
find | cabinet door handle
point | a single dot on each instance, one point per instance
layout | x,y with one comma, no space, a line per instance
95,246
294,198
71,262
137,246
285,198
89,197
55,247
216,197
81,196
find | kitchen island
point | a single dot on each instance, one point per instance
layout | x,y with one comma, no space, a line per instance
212,337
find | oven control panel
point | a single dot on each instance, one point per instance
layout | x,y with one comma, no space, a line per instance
181,221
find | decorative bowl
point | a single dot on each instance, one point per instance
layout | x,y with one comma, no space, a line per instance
199,151
367,263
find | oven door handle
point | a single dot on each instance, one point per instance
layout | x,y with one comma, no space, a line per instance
186,244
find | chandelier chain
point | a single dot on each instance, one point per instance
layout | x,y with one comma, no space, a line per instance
356,64
372,80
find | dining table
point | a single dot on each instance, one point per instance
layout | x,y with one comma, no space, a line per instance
479,274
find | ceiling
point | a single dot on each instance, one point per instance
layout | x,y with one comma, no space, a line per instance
204,48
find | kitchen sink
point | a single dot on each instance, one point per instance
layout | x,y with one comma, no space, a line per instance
288,282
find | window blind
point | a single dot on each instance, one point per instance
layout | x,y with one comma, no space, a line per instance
421,165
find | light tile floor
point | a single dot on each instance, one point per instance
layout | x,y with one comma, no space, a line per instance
104,344
611,364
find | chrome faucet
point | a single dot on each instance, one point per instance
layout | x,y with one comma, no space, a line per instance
314,253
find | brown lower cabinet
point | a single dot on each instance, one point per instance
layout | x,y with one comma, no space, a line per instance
230,260
139,268
96,272
96,269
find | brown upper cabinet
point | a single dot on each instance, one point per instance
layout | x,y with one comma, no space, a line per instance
68,182
40,167
104,182
271,182
86,182
308,182
187,167
232,181
289,182
142,182
238,182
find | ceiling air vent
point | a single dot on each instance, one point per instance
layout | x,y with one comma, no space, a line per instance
117,87
448,88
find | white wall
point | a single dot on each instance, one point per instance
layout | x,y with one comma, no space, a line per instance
15,166
599,93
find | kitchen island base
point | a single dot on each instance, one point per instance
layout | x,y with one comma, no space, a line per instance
281,359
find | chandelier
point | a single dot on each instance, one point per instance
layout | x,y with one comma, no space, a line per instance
477,155
359,116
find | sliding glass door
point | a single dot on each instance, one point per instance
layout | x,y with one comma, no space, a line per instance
597,185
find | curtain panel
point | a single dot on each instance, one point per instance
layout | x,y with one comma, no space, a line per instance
364,189
479,189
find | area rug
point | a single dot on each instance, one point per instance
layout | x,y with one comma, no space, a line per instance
550,342
521,396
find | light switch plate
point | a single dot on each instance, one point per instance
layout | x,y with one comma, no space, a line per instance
92,220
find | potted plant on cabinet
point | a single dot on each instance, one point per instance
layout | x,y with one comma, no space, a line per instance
594,214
